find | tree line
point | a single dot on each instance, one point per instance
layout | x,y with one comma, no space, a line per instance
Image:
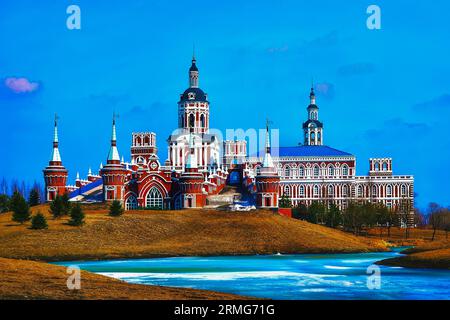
61,206
357,217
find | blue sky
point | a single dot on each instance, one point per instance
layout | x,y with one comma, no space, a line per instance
382,92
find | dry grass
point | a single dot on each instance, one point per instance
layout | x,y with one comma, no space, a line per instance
174,233
416,237
35,280
149,234
437,259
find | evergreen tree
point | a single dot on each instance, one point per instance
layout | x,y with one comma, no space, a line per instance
316,212
300,212
57,207
333,216
65,204
4,203
116,209
38,221
33,199
20,208
76,215
285,202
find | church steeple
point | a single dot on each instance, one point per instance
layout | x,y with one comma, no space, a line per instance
268,162
113,155
56,157
313,128
193,73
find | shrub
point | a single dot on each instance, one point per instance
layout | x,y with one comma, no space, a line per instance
76,216
285,202
38,221
33,199
116,209
20,208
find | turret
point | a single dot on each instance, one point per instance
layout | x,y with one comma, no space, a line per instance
313,128
113,173
55,174
191,181
267,179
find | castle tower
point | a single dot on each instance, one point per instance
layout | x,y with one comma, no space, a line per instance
313,128
267,179
55,174
193,107
191,181
114,172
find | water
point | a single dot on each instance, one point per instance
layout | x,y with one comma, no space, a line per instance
300,276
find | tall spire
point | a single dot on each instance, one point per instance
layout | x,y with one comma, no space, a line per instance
312,96
113,152
268,162
193,73
56,157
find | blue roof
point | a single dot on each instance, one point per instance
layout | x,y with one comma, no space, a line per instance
85,188
199,95
307,151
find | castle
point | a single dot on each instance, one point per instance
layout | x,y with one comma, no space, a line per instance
200,165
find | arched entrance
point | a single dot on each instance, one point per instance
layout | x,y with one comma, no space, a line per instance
154,199
131,203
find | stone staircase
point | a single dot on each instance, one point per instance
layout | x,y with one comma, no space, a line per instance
224,198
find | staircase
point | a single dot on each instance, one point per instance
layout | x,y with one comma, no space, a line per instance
227,196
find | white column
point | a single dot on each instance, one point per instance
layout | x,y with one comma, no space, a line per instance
205,154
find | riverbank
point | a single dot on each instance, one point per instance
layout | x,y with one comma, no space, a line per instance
36,280
149,234
434,255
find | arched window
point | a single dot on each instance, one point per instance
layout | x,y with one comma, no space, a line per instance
302,191
403,190
131,203
360,191
316,191
345,190
258,170
385,166
374,191
377,166
287,191
191,120
287,171
389,190
345,170
316,171
331,170
330,190
301,171
202,120
154,199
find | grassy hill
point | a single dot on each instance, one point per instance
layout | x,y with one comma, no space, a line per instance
36,280
434,254
174,233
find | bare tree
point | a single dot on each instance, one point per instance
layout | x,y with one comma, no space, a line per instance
434,217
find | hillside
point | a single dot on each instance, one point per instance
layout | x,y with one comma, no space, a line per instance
434,255
174,233
35,280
